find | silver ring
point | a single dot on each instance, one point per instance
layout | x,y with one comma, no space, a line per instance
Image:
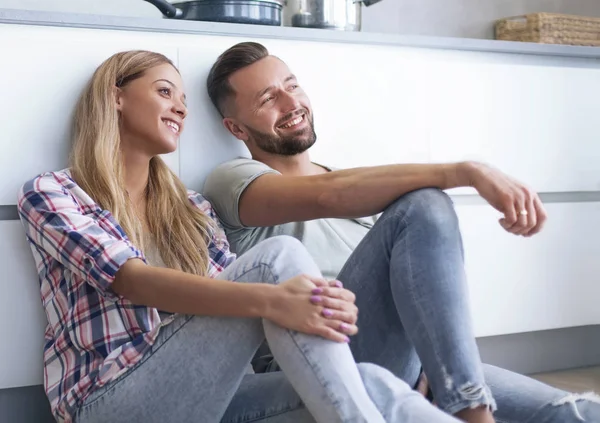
523,212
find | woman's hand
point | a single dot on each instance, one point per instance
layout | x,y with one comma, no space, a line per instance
337,302
307,305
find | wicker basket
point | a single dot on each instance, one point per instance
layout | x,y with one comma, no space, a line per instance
550,28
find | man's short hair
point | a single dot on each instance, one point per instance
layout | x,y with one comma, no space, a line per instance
232,60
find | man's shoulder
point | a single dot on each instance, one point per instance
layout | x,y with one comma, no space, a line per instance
241,165
233,174
226,183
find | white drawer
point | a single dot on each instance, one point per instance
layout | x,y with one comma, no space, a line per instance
528,284
21,313
533,117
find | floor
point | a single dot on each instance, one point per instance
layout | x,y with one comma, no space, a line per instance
576,380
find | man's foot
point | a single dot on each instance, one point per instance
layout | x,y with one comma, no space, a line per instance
423,388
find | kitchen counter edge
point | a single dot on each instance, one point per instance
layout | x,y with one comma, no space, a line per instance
123,23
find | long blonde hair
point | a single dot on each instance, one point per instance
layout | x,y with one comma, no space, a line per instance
179,230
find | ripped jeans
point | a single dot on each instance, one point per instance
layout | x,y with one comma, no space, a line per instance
409,280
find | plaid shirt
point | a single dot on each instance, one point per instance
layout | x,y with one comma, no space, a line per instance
93,335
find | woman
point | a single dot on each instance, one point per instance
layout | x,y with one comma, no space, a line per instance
145,323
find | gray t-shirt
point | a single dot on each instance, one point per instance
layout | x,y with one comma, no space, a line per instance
329,241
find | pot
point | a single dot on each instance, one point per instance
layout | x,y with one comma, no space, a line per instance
258,12
342,15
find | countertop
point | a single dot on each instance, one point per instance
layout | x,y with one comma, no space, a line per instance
29,17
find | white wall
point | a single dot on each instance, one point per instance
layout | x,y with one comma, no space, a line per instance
532,116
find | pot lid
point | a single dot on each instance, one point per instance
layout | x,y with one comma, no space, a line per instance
370,2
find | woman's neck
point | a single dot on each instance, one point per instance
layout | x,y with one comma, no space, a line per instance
137,170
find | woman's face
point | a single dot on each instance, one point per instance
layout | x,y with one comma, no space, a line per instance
152,110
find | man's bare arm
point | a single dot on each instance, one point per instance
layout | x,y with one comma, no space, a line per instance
275,199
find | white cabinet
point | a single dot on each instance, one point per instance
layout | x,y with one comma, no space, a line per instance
548,281
205,141
21,313
44,70
533,117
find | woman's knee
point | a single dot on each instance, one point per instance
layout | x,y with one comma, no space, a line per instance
275,260
287,257
379,380
282,243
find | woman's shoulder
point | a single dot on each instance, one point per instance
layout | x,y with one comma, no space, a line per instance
199,201
47,182
50,187
60,178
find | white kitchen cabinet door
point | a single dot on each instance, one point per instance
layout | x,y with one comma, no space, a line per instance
44,70
533,117
548,281
21,312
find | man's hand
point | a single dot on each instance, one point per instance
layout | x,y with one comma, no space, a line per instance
524,213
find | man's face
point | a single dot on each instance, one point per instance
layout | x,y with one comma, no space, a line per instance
270,108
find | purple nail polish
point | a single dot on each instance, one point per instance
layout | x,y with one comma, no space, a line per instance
327,312
317,291
347,340
316,299
339,284
344,327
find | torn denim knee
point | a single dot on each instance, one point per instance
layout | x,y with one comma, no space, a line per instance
572,400
469,395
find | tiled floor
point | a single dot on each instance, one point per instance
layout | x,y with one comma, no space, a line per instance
577,380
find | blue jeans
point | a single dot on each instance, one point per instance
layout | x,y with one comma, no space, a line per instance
411,290
196,372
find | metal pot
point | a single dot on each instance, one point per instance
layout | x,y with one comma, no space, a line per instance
342,15
259,12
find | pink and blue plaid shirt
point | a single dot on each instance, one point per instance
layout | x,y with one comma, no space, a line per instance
93,335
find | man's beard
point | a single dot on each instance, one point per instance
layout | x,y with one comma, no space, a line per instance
290,145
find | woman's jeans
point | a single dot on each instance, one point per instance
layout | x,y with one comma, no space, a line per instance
197,369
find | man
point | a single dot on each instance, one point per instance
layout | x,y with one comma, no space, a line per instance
405,267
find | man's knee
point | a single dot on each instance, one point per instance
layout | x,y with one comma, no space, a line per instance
427,206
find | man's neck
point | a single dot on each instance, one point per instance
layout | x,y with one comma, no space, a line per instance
298,165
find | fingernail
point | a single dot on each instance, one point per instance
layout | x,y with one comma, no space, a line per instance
339,284
343,327
327,312
347,340
317,291
316,299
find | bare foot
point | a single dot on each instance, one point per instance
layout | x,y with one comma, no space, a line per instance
477,415
423,385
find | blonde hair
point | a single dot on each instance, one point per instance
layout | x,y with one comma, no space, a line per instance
180,231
